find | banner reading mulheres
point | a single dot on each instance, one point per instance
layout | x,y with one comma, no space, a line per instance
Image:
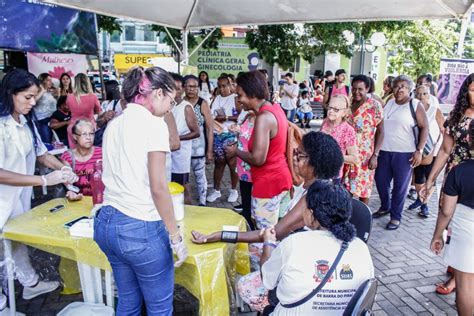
452,74
232,57
56,64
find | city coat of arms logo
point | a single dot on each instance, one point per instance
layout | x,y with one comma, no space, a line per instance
321,269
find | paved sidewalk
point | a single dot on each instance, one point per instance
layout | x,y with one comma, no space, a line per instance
405,267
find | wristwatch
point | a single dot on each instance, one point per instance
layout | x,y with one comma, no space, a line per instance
419,150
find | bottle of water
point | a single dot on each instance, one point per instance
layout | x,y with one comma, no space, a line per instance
97,185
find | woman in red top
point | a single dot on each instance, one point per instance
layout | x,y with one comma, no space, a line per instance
82,158
267,150
82,104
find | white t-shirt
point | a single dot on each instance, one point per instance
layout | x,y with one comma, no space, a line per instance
289,102
398,123
112,105
225,106
181,159
305,106
127,141
300,262
17,154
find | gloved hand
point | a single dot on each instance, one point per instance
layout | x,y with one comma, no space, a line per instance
69,174
53,178
179,248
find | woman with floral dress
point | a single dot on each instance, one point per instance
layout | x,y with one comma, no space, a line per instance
243,168
455,149
367,119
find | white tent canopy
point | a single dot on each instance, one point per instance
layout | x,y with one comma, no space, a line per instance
191,14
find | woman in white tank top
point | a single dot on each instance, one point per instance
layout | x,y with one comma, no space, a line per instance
400,150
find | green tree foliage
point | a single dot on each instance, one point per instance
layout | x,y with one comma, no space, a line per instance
108,24
469,43
418,48
284,43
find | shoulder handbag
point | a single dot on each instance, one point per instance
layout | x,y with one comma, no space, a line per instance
428,150
99,133
294,139
344,246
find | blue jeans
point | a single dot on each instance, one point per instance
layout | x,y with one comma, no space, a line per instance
303,116
290,114
141,259
393,166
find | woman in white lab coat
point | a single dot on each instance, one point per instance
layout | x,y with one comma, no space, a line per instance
20,147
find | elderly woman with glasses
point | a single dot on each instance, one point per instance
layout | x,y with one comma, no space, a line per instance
400,151
83,157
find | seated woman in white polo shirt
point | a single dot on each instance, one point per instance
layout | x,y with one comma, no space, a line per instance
300,262
136,226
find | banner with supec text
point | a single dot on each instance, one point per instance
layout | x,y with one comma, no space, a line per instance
56,64
452,74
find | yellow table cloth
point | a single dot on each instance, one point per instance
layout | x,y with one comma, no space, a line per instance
208,272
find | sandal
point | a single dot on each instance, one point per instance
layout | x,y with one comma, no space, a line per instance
443,290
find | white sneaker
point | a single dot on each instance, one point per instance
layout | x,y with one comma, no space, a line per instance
40,288
233,196
213,196
3,301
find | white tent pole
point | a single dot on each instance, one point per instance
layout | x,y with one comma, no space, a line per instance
193,9
202,42
174,42
462,34
185,46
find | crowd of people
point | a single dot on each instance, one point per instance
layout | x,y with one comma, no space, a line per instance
158,127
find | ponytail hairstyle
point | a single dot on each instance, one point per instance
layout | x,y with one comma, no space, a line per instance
139,83
331,206
16,81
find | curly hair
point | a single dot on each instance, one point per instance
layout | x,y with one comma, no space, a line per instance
324,153
462,103
331,206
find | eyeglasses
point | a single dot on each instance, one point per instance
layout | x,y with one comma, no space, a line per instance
335,109
400,87
190,87
172,101
298,155
86,135
420,94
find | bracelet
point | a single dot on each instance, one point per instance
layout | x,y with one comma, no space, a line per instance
45,182
272,244
229,236
175,234
375,154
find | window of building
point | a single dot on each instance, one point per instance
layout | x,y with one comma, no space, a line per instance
130,33
149,35
115,37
